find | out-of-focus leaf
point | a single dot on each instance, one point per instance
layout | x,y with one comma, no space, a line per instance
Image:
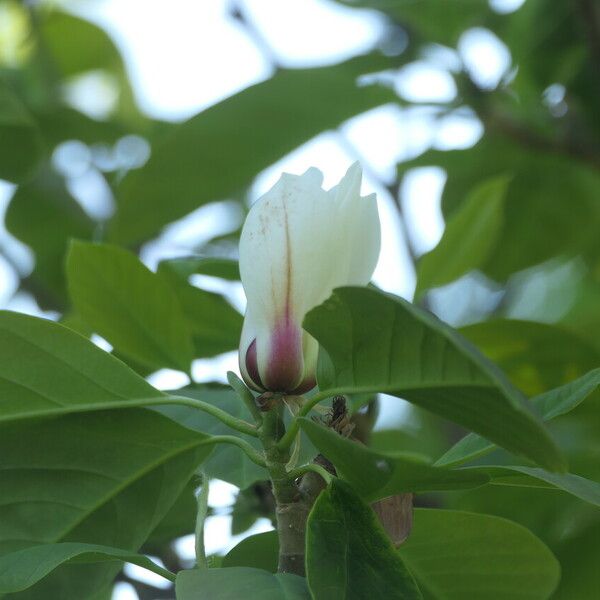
457,555
100,478
375,475
258,551
251,504
133,308
180,520
218,152
61,123
20,570
223,268
347,553
578,557
20,142
43,215
215,325
76,46
371,341
239,582
431,20
470,235
538,223
551,404
536,356
549,43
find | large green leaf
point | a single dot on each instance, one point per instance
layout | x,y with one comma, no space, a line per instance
347,553
218,152
22,569
375,342
457,555
584,489
376,475
551,404
20,142
136,310
43,215
215,324
239,582
470,235
536,356
101,478
47,369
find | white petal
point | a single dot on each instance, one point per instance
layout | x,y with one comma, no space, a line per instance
299,243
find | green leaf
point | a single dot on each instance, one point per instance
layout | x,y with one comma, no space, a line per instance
551,404
47,369
470,235
100,478
433,21
371,341
223,268
258,551
228,463
564,399
538,224
216,326
76,46
376,475
584,489
22,569
43,215
347,553
239,582
578,556
457,555
218,152
536,356
179,521
133,308
21,146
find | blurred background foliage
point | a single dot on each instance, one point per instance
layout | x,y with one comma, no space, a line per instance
517,267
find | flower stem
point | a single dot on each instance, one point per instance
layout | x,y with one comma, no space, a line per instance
254,455
202,511
290,435
290,510
310,468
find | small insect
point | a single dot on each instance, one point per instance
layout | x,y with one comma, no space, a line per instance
338,419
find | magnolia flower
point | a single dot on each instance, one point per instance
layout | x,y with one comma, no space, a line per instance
298,243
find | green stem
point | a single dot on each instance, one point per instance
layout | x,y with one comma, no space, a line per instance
202,511
290,435
311,468
223,416
290,508
254,455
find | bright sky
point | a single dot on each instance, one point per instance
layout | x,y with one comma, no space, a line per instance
185,55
